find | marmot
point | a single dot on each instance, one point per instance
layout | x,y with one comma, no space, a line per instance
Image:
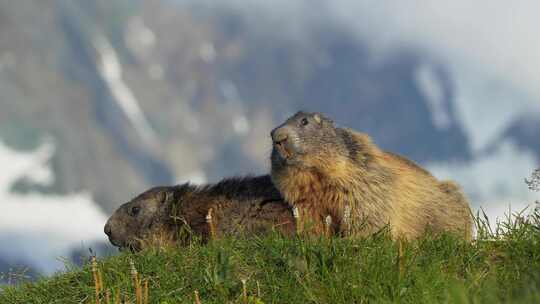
250,205
338,175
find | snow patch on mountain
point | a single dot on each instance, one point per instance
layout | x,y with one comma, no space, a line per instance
40,229
111,71
430,85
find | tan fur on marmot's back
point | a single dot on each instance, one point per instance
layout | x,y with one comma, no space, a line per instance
327,171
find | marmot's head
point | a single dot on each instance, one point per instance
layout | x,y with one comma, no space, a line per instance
142,217
304,140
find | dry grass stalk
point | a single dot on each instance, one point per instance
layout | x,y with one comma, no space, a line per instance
258,290
328,226
136,282
100,280
400,258
95,275
296,215
197,299
108,296
145,292
211,225
347,219
117,298
244,291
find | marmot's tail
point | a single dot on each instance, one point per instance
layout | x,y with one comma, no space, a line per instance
456,196
454,191
450,188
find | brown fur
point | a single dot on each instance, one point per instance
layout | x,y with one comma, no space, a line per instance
326,170
249,206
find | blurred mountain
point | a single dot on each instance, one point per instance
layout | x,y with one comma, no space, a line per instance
525,133
137,93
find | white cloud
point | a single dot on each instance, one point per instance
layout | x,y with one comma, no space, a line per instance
195,177
240,124
494,182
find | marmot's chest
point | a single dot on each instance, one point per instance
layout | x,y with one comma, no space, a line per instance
315,192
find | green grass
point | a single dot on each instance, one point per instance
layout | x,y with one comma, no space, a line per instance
502,266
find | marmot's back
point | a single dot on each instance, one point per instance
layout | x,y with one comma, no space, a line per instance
246,205
249,205
424,202
458,211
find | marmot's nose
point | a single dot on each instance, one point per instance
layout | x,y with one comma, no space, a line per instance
279,135
107,229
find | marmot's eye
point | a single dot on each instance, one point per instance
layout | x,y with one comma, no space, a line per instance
304,121
135,210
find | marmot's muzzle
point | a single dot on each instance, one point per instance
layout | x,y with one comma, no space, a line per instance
281,141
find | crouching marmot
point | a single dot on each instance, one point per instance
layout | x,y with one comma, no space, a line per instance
338,177
233,206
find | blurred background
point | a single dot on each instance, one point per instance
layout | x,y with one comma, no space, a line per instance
102,99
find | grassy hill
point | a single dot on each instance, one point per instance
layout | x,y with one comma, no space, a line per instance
501,266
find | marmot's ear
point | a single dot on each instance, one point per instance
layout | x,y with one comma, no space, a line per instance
320,118
317,118
169,196
165,196
161,196
167,202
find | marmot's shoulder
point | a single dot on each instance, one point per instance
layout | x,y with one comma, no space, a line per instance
359,146
362,147
452,189
403,161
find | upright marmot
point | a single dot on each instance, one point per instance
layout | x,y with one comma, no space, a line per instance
338,177
250,205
